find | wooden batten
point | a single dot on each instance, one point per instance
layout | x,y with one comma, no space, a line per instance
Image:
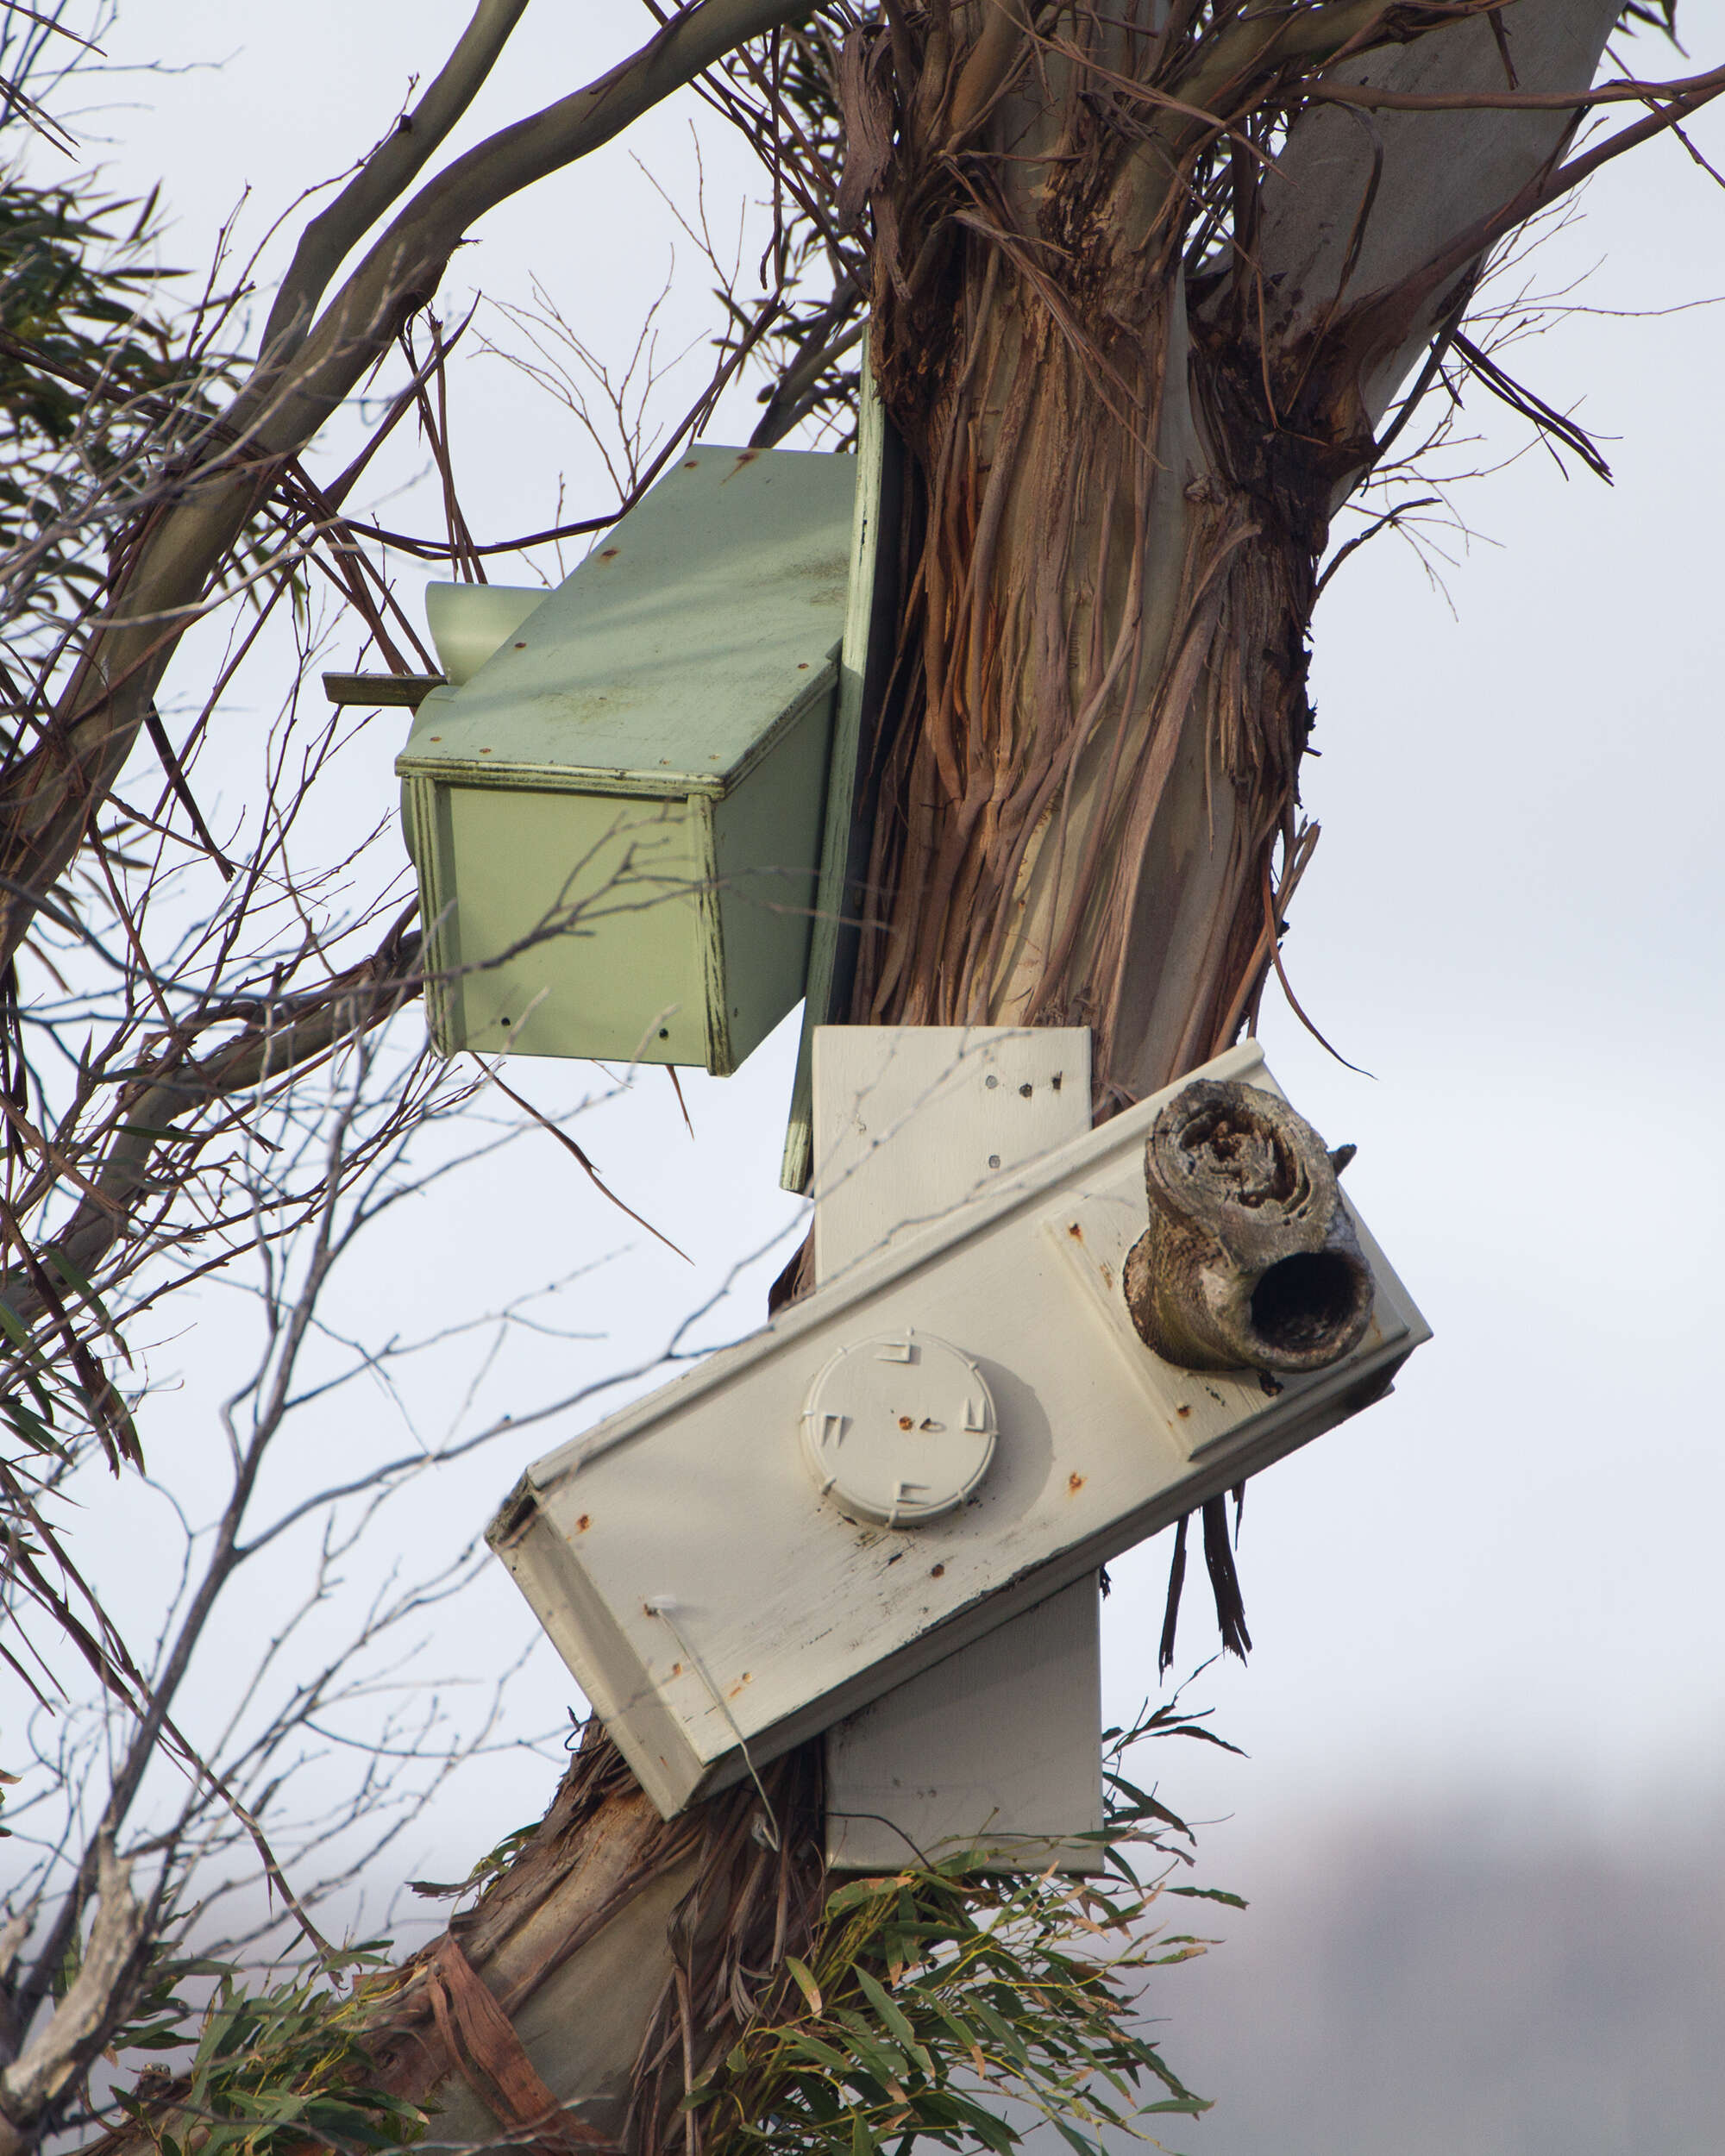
865,662
996,1749
381,691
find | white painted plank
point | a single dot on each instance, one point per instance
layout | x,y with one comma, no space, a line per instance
998,1745
913,1121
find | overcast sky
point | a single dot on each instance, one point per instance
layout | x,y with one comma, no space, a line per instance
1500,1590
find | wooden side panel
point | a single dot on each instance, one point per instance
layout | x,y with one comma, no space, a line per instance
865,660
997,1747
431,846
548,1571
766,850
914,1121
588,909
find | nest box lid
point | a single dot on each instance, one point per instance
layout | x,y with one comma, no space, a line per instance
669,659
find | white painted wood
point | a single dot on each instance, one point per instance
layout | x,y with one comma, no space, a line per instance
997,1746
707,1598
913,1121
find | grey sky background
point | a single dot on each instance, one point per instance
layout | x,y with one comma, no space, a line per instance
1490,1635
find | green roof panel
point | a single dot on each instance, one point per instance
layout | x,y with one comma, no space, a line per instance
667,660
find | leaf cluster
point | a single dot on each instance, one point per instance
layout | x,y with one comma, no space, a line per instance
90,352
73,288
936,1993
946,2000
271,2069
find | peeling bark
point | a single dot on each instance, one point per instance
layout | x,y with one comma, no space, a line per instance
1125,483
625,1950
1366,208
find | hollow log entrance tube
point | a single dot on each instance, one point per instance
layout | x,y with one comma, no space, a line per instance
1250,1261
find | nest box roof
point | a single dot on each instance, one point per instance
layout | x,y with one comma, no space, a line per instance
669,659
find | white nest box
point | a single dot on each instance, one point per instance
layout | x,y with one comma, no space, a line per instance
948,1434
615,803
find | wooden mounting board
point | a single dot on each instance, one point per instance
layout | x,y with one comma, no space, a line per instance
996,1749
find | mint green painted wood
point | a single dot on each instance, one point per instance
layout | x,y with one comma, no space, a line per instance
864,659
469,621
618,819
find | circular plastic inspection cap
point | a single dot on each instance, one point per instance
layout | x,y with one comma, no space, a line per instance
898,1429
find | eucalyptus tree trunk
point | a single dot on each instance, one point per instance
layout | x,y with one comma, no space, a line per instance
1125,467
1124,451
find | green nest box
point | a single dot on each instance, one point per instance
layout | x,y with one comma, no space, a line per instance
616,804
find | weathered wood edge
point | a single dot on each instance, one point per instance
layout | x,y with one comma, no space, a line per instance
379,690
865,659
572,778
